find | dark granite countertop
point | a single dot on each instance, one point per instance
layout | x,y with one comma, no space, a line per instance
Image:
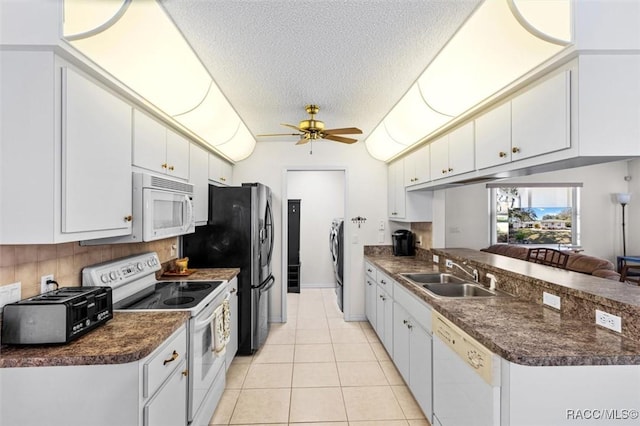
128,337
208,274
518,330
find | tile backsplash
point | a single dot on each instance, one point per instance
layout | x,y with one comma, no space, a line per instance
27,263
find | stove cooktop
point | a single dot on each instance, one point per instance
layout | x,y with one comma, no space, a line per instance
170,295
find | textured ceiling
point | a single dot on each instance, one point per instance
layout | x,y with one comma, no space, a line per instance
353,58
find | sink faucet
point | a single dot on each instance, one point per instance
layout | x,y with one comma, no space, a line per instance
473,274
494,280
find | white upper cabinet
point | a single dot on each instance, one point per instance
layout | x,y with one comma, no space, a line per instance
416,167
540,119
66,153
199,177
159,149
396,190
96,157
453,154
493,137
219,170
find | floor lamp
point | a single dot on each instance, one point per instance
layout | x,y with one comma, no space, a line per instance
623,199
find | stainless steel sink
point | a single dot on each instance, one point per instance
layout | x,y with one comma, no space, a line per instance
458,290
433,278
447,285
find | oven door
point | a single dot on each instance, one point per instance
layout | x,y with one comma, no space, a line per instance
166,214
204,361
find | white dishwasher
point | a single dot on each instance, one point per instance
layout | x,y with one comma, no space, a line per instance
466,378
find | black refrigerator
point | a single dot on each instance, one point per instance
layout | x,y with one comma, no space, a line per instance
239,234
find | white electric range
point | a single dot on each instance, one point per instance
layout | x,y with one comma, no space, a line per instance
135,288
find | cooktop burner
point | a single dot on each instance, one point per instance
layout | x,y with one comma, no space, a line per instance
170,295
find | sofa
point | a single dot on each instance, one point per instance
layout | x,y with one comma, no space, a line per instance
577,262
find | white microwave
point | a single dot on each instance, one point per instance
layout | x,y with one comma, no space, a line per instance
162,208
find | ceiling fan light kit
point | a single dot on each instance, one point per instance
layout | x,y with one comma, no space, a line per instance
312,129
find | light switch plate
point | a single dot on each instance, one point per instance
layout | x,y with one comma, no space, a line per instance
551,300
436,258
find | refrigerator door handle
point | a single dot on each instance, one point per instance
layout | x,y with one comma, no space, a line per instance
267,284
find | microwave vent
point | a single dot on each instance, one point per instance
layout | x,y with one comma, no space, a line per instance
161,183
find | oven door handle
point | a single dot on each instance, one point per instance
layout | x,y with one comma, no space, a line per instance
201,324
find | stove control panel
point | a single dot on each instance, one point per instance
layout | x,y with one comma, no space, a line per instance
121,271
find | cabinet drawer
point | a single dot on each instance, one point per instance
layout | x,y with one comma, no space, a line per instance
385,283
370,271
159,365
418,309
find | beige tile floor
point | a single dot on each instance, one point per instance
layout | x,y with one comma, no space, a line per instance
320,370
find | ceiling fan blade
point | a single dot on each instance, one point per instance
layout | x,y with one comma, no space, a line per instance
293,127
279,134
302,141
339,139
343,131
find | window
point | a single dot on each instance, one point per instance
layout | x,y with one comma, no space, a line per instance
539,214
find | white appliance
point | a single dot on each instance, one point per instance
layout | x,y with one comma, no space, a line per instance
162,208
134,288
336,247
466,378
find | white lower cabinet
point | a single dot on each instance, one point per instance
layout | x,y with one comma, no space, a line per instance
412,346
403,325
148,392
370,286
384,318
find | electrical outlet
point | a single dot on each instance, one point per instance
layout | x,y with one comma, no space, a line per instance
449,263
10,293
436,258
44,287
551,300
610,321
381,226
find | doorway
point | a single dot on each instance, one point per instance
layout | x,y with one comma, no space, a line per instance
322,195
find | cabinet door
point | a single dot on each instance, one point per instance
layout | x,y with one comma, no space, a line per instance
420,368
395,187
177,155
416,167
461,150
380,299
168,407
149,143
226,172
401,336
493,137
440,158
96,158
199,177
387,339
370,300
540,118
219,170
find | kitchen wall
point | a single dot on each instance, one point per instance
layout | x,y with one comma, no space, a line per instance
462,213
366,195
322,199
27,263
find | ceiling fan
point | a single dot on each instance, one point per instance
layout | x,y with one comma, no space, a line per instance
312,129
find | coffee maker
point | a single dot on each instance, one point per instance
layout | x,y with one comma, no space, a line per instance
403,243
